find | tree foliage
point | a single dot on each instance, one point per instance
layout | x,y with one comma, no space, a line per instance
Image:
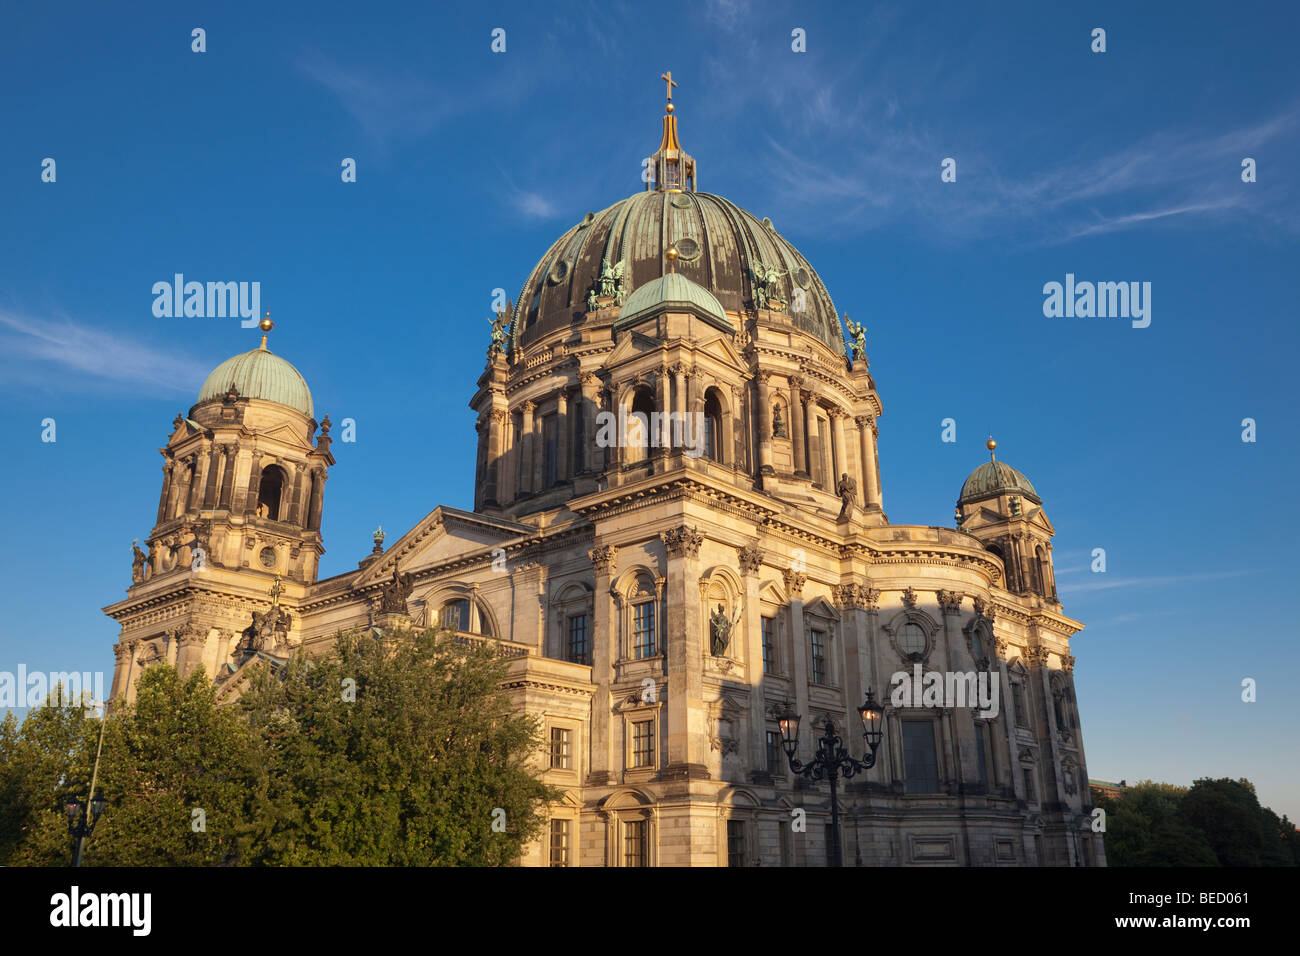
1212,823
396,751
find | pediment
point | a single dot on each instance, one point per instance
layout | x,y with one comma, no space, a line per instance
820,607
629,347
442,535
720,346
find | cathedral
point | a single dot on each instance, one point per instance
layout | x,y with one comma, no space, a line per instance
678,538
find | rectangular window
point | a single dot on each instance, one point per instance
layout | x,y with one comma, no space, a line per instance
1022,708
1031,794
643,743
560,748
819,671
550,442
643,629
979,755
769,645
775,755
920,764
634,843
578,652
559,843
735,843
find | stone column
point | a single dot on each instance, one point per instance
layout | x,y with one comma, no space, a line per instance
853,639
751,564
797,427
539,455
794,582
662,435
838,461
867,448
210,485
764,424
254,484
122,655
192,640
527,444
685,717
604,644
227,478
317,499
562,437
591,455
679,407
497,424
165,498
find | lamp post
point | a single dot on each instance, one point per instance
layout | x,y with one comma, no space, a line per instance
82,819
831,760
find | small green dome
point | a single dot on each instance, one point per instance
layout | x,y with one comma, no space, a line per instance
994,478
259,374
672,293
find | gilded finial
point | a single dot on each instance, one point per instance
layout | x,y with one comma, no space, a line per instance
990,445
671,255
266,325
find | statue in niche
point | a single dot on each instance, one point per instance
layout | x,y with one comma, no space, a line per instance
778,423
848,491
720,628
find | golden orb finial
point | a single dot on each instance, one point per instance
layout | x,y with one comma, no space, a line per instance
990,445
671,255
266,325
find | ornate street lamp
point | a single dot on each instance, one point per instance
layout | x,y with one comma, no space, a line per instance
831,760
82,824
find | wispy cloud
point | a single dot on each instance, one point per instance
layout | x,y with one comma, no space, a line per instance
1104,582
67,355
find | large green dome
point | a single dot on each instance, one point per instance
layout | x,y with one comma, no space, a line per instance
672,293
720,246
994,478
259,374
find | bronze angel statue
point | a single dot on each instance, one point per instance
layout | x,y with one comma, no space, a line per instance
765,291
857,338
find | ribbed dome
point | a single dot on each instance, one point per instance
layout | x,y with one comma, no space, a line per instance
672,293
720,245
259,374
994,478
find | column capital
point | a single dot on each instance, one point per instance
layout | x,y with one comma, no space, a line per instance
604,558
684,541
751,560
949,601
794,582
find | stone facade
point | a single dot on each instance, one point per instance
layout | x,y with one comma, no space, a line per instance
603,553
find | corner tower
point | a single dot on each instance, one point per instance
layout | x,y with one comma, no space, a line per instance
239,514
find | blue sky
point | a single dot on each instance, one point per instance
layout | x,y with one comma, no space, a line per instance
1115,166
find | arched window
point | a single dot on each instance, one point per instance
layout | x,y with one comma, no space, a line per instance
638,439
455,614
269,491
713,427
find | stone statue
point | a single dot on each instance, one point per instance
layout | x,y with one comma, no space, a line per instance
499,326
609,288
395,592
137,562
765,292
269,632
720,628
848,491
857,338
778,423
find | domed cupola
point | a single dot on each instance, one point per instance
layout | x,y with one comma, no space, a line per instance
737,258
262,375
993,479
672,293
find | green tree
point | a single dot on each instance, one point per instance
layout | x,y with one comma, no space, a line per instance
395,751
1143,829
43,761
1241,832
174,751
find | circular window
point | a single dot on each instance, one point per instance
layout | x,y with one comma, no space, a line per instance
559,272
587,220
911,640
267,557
688,249
801,277
680,201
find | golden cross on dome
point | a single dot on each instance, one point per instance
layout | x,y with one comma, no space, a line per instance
668,78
